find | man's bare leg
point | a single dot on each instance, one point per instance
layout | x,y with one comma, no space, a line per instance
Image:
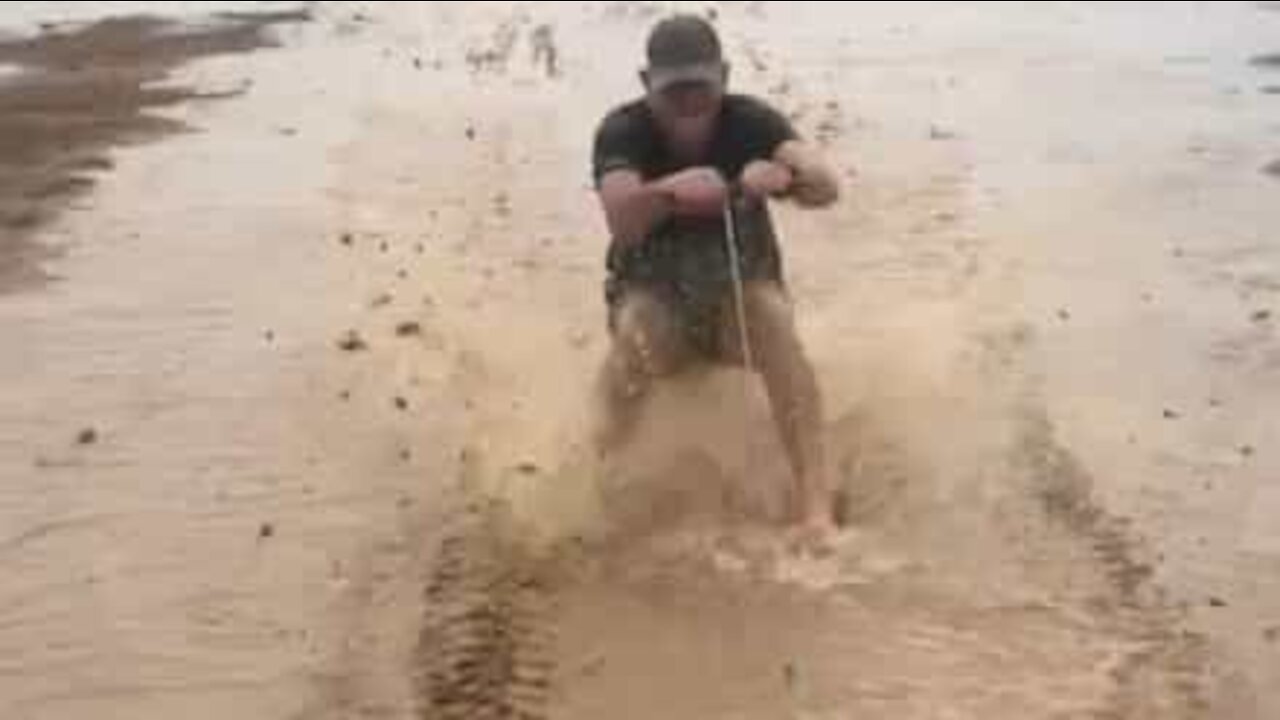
793,393
646,344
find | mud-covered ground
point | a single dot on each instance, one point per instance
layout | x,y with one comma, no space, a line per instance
300,314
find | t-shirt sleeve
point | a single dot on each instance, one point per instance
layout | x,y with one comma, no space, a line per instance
766,128
618,145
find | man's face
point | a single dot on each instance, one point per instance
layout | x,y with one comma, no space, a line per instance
687,112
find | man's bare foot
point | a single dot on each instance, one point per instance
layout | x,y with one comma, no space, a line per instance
815,534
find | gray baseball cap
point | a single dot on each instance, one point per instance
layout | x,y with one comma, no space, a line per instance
684,48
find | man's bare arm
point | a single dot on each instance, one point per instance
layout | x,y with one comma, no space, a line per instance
814,183
633,207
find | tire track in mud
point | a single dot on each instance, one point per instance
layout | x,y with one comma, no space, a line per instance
1163,674
484,648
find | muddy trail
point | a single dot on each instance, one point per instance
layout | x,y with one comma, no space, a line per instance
1034,604
338,445
979,574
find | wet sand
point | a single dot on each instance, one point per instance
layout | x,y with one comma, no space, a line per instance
299,434
80,90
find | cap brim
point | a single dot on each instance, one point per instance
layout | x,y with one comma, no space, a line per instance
661,78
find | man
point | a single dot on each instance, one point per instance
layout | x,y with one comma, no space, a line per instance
665,166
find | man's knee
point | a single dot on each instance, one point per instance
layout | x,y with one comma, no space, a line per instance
769,322
768,307
647,332
769,318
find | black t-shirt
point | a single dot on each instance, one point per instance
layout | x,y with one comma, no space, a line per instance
748,129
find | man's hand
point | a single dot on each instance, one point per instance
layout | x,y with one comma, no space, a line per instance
696,192
762,179
814,183
634,207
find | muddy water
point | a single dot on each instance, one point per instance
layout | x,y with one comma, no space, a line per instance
267,524
77,91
